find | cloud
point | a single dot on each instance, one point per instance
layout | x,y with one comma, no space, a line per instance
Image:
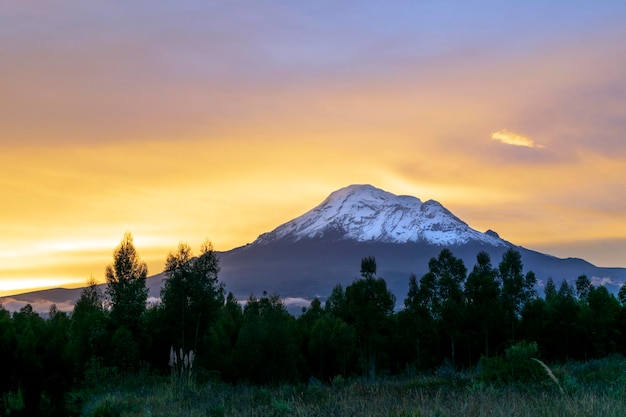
604,281
41,307
296,302
511,138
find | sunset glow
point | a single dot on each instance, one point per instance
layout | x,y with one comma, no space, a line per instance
180,121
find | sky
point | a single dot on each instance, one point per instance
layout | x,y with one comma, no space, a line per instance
193,120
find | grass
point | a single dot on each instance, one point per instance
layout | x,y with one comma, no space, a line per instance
592,388
582,392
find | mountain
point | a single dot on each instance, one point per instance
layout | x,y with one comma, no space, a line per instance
363,213
309,255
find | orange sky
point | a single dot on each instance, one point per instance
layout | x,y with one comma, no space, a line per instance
182,121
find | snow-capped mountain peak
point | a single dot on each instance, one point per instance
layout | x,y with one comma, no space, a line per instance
368,214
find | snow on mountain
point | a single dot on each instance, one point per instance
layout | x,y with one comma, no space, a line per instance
368,214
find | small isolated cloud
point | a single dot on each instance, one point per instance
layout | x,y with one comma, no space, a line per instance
604,281
511,138
296,302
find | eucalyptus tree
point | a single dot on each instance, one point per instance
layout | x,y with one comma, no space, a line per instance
128,294
369,306
517,289
267,344
417,321
446,276
192,294
126,286
88,337
482,293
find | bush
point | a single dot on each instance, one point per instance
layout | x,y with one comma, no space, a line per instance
517,365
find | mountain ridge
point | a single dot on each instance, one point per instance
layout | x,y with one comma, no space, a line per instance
366,213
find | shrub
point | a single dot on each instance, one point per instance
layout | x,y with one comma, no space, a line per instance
517,365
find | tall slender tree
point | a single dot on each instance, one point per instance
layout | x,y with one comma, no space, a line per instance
417,321
448,274
192,294
126,286
88,337
267,344
517,290
369,304
482,291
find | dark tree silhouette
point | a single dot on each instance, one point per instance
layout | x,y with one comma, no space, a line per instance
126,286
369,306
192,295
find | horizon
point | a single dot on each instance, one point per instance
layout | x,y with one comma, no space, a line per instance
150,274
187,121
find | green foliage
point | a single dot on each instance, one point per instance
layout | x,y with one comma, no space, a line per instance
88,336
368,267
425,396
418,332
482,290
583,287
267,345
517,365
8,344
281,408
126,286
369,307
221,339
94,362
517,290
125,350
191,295
331,347
11,403
621,295
336,303
107,409
29,355
449,274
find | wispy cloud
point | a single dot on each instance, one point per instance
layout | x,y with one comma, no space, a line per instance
516,139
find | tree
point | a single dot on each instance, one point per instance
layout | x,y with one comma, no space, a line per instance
369,306
561,321
327,341
482,291
267,345
416,320
88,337
368,267
29,355
604,312
125,350
58,376
8,343
331,346
448,275
550,290
336,303
126,286
583,287
192,295
221,339
517,290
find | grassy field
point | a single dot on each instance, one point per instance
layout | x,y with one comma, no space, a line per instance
596,388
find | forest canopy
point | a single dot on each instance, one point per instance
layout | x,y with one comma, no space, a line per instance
452,316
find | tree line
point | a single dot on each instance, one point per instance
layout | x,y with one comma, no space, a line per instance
450,317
